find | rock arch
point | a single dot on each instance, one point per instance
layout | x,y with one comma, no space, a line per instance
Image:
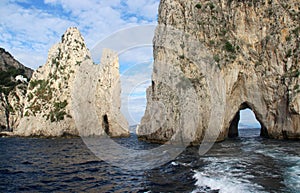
249,64
233,128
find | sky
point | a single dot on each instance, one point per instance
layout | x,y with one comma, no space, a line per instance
28,29
248,120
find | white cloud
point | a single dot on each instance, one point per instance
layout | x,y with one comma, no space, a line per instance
75,6
134,82
29,32
141,54
146,8
34,28
247,118
127,42
50,1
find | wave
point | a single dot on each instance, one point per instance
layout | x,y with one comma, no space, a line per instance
222,184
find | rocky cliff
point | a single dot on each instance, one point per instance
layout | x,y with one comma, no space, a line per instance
8,62
216,57
49,109
12,90
97,98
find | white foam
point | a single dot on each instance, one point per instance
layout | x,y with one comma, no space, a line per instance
292,178
174,164
228,166
179,163
224,184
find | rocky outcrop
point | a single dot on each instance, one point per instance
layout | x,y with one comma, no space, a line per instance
108,96
4,113
12,90
214,58
97,98
49,109
7,62
16,100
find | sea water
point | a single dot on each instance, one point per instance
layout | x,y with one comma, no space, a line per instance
248,163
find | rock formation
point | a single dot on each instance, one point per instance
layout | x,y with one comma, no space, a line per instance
97,98
49,109
227,55
4,113
12,91
7,62
108,96
16,101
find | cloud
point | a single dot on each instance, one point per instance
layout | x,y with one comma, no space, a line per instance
135,80
247,119
134,110
30,28
28,33
125,41
136,77
146,8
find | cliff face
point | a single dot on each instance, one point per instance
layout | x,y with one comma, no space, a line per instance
4,112
108,96
49,109
228,55
12,90
97,98
7,61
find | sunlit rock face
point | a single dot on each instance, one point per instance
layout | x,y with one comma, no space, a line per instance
229,55
49,108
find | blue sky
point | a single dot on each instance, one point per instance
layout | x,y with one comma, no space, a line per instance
248,120
28,28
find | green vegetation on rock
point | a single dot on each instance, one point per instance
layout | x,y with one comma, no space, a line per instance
229,47
7,82
198,6
58,114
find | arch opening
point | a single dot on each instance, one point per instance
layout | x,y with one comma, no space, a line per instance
246,124
105,124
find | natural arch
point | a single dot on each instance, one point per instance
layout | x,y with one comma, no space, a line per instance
233,128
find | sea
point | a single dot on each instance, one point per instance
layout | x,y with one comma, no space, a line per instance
247,163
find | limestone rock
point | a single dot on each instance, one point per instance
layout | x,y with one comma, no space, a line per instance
97,106
12,90
228,55
108,96
16,100
49,108
3,113
7,61
11,107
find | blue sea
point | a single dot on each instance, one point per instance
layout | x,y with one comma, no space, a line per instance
248,163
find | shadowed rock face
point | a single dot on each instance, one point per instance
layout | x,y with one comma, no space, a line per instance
12,91
50,109
7,61
228,55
